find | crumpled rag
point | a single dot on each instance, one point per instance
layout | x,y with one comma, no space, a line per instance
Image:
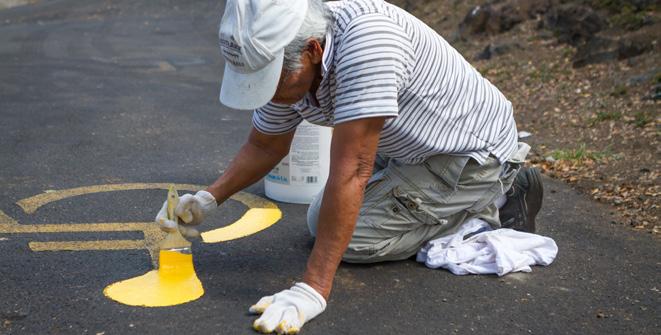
499,251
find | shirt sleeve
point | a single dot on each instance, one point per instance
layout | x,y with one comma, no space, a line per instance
373,64
274,119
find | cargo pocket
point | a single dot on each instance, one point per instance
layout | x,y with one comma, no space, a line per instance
445,172
448,168
414,207
395,213
496,189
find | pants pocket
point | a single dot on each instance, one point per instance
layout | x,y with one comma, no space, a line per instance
393,213
502,184
414,207
447,168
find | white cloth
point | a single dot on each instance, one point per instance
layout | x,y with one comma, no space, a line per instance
498,251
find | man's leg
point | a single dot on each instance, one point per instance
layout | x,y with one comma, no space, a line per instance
407,205
416,203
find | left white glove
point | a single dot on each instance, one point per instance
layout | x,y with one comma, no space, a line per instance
192,209
287,311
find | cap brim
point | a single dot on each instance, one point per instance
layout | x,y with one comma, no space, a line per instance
251,90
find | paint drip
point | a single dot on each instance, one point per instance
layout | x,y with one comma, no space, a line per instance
175,282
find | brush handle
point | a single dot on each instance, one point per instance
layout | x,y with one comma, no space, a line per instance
174,239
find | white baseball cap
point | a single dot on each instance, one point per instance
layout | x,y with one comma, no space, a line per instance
253,35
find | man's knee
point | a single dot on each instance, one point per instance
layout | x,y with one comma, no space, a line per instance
376,255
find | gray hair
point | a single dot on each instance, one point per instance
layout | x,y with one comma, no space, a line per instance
315,26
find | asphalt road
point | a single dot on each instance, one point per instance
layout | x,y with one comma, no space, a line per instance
108,92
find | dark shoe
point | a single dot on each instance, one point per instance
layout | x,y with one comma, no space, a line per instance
524,200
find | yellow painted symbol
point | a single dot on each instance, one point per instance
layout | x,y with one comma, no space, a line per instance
162,287
261,214
255,220
174,283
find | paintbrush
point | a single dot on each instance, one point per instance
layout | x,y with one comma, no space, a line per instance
174,241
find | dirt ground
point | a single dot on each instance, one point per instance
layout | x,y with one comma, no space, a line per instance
596,127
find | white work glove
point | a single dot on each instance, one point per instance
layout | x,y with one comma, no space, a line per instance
192,209
287,311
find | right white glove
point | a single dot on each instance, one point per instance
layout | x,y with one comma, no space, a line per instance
192,209
287,311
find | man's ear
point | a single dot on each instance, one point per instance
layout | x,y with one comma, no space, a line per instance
315,50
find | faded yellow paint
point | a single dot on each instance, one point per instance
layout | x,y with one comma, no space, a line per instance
13,227
259,209
255,220
31,204
174,283
151,232
87,245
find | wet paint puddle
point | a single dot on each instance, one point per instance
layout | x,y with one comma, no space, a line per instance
175,282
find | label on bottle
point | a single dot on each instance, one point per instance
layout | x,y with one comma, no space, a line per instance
304,167
280,173
301,166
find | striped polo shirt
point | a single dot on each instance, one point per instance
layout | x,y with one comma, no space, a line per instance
380,61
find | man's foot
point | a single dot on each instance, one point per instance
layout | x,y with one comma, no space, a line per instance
524,200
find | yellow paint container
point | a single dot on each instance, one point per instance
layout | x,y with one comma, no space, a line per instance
174,283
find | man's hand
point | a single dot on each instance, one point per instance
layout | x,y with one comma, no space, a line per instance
287,311
192,209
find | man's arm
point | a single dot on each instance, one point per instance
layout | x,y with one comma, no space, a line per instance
353,151
256,158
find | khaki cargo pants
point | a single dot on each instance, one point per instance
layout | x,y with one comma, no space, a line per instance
406,206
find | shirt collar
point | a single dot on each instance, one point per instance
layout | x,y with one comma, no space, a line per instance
327,57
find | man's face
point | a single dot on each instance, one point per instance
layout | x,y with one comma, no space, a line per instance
293,85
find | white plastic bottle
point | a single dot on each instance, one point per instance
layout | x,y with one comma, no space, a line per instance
301,175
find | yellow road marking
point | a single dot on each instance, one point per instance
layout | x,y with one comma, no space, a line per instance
15,228
255,220
261,215
31,204
87,245
174,283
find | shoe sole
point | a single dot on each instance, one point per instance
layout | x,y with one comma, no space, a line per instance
535,204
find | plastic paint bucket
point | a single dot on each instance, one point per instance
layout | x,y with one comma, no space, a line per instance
302,174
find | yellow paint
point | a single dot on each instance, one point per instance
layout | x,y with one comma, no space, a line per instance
255,220
87,245
174,283
152,233
12,227
31,204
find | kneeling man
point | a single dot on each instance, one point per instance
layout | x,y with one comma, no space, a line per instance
421,141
